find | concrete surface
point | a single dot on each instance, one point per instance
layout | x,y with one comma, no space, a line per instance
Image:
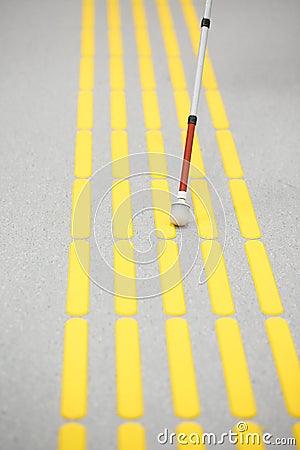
254,50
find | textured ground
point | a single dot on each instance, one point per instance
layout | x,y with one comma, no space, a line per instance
253,49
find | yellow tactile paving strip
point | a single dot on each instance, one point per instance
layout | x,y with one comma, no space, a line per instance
122,210
72,436
78,280
124,265
162,206
128,364
85,110
250,438
125,278
154,139
239,389
230,158
119,150
182,103
169,265
118,110
217,278
74,381
81,209
263,278
205,217
131,435
83,154
204,212
146,71
157,159
151,110
244,209
116,73
88,39
182,372
171,278
287,363
191,436
128,369
217,110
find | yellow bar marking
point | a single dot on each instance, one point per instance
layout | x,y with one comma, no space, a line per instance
124,278
170,41
85,110
128,368
86,79
195,38
209,78
190,16
139,15
114,19
244,209
117,81
217,110
151,110
218,282
131,436
164,15
122,210
230,157
197,169
296,431
263,278
81,209
72,436
287,363
156,154
205,216
162,206
88,16
118,110
87,42
250,438
143,42
119,149
83,155
171,278
115,42
191,436
177,73
182,102
237,378
78,279
75,368
147,74
182,372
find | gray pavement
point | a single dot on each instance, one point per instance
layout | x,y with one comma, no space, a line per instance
254,50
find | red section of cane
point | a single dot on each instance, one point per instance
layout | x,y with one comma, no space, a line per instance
187,157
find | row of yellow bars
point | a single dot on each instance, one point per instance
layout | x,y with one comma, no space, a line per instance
129,381
72,435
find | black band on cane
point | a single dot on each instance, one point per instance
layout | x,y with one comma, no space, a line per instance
205,22
192,119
